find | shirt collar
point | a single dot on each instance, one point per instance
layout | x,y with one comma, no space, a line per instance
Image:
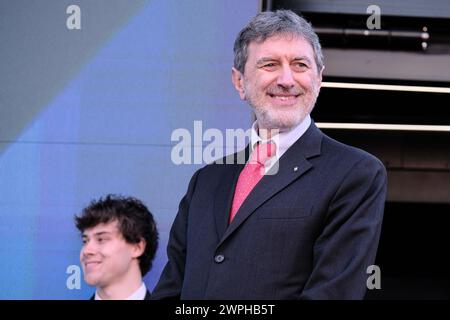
139,294
284,140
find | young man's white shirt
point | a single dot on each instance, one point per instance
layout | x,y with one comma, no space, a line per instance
139,294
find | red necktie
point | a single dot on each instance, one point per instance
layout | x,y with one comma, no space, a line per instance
251,174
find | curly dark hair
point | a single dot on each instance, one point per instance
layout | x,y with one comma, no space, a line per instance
135,222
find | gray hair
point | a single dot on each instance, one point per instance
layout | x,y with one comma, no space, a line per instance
269,23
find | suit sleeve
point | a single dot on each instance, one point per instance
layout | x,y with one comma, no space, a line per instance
171,280
349,239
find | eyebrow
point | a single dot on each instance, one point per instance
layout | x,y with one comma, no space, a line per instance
268,59
265,59
303,58
101,233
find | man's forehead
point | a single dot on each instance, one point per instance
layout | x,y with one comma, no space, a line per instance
300,46
108,227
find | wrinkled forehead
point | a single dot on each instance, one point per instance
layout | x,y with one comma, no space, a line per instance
284,44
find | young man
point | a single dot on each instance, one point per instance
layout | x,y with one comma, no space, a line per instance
307,232
119,243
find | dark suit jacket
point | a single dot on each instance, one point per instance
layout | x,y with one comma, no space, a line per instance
308,232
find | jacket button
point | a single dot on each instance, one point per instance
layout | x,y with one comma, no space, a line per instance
219,258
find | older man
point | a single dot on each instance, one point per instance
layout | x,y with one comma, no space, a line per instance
307,230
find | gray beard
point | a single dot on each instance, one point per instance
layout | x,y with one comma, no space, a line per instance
267,122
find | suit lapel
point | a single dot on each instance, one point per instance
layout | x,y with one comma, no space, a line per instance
292,165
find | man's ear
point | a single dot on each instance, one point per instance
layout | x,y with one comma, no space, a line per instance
138,248
320,76
238,81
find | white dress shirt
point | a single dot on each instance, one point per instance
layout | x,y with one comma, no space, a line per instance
283,140
139,294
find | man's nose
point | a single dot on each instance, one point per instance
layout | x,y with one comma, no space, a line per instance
286,78
88,248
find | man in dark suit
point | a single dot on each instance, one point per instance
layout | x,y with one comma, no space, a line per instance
119,243
301,218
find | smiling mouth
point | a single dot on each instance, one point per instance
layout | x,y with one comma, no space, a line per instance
91,264
284,98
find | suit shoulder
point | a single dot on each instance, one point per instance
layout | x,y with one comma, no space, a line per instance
217,166
349,153
239,157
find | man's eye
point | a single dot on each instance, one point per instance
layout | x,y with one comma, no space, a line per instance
301,65
102,240
269,66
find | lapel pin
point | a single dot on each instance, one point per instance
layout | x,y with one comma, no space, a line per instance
295,169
